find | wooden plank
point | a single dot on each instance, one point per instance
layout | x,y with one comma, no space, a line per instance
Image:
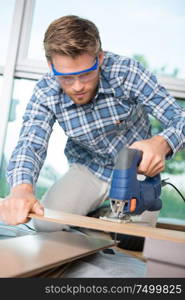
98,224
29,255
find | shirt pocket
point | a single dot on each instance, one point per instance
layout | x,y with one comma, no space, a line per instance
131,120
99,139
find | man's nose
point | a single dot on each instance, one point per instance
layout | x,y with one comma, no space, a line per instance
77,85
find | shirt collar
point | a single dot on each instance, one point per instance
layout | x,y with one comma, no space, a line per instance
104,85
67,101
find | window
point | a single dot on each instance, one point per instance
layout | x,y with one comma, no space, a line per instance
55,164
150,30
6,13
1,81
173,205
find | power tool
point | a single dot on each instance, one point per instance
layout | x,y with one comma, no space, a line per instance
128,195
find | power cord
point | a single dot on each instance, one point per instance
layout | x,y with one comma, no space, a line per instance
164,182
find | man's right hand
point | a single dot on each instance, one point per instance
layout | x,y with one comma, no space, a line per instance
15,208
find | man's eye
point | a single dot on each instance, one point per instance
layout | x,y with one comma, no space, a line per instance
85,75
67,78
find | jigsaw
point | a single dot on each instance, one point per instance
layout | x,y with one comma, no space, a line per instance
130,196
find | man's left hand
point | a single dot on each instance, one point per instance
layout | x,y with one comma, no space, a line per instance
154,151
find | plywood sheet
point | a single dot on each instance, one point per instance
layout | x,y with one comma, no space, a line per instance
99,224
28,255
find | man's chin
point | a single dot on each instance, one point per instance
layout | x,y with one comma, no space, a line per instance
81,100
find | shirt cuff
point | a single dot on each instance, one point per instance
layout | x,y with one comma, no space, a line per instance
173,140
19,178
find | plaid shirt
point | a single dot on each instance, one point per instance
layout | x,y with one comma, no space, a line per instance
116,117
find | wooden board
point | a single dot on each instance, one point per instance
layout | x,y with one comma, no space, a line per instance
28,255
98,224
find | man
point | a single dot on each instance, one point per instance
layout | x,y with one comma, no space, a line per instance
101,100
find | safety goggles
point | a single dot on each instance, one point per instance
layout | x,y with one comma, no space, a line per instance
83,76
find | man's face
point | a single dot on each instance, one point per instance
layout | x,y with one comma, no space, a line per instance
81,88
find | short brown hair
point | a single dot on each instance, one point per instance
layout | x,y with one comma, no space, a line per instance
71,36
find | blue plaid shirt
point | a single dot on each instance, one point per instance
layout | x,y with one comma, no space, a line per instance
116,117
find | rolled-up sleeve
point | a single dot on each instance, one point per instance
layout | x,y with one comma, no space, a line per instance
160,104
29,154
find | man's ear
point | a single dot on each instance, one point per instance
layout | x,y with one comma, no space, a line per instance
101,57
49,64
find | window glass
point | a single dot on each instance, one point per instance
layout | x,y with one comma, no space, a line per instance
173,205
55,164
1,83
150,31
6,13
